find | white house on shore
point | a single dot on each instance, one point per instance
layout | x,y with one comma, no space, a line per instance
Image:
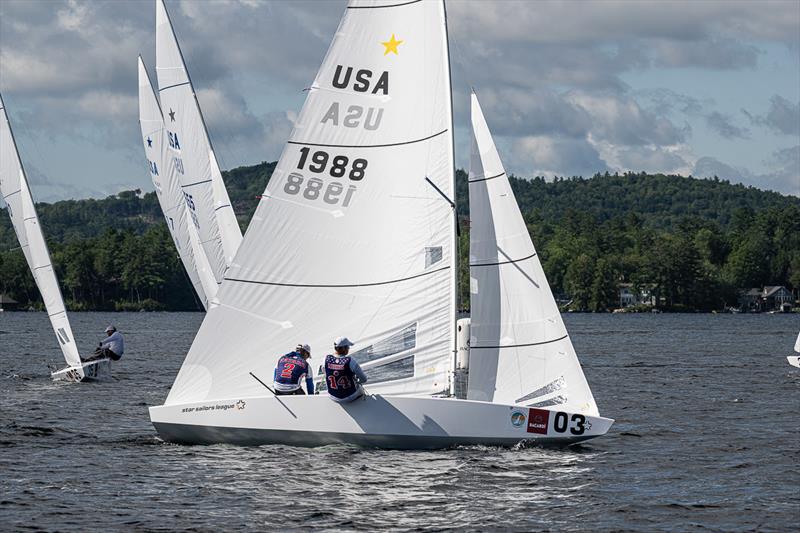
630,295
769,298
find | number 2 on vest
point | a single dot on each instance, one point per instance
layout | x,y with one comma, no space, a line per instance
287,370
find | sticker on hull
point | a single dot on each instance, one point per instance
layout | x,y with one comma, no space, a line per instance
538,420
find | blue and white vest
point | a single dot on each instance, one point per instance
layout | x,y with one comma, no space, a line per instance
290,369
339,378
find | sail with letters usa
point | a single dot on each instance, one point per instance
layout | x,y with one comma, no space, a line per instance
356,236
170,193
190,152
16,193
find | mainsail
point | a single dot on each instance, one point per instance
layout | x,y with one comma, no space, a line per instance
355,233
17,196
192,154
170,194
520,351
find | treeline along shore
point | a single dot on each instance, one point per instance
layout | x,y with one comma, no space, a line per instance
689,244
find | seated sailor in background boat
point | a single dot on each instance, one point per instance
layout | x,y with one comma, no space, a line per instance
343,375
291,370
112,347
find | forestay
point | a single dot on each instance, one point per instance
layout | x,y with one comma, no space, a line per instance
520,351
17,196
350,237
190,150
170,193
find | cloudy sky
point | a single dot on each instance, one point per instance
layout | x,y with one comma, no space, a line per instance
568,88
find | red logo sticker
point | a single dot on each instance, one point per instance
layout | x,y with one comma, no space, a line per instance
537,421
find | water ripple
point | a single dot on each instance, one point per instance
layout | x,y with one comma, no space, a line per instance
706,438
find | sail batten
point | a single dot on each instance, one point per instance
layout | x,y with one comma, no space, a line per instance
22,211
520,351
349,237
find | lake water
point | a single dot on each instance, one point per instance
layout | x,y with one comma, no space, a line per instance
707,438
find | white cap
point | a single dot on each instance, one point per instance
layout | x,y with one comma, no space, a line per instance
305,347
341,342
109,329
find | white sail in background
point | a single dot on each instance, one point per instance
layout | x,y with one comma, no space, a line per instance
170,194
350,237
520,351
797,344
17,196
191,152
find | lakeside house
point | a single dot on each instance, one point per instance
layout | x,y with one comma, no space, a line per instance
769,298
7,303
630,295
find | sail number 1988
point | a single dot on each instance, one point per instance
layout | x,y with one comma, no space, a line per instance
321,162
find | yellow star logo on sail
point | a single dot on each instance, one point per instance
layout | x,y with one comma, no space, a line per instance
391,45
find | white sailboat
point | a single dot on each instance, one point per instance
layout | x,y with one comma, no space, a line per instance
170,194
190,151
794,360
356,236
19,203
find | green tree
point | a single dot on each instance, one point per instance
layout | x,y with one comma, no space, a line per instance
578,281
604,295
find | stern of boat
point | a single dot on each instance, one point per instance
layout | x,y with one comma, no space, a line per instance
99,370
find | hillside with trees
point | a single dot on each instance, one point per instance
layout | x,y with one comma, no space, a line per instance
693,242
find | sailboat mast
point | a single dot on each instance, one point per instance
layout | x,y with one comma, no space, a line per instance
454,246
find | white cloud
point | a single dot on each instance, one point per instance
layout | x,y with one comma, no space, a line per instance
73,16
277,128
550,21
228,113
548,156
783,174
782,117
723,124
620,120
514,111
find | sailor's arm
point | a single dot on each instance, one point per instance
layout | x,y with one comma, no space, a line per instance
356,368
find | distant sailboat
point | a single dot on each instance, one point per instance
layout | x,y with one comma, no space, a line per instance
356,236
794,360
19,203
191,153
170,194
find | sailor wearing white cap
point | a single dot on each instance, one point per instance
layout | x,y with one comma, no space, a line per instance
343,375
291,370
112,347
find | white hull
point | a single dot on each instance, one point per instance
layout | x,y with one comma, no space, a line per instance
374,421
93,370
794,360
